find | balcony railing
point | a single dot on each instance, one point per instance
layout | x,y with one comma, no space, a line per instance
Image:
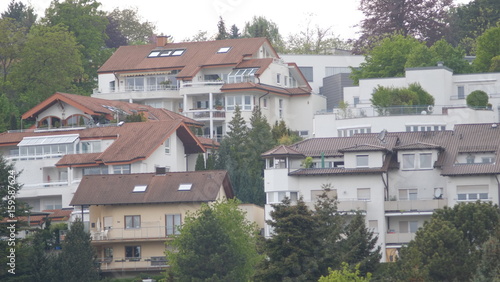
139,263
205,114
415,205
144,232
398,238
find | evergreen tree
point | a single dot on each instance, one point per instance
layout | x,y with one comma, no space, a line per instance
359,245
200,163
235,32
78,257
210,162
489,266
291,249
221,26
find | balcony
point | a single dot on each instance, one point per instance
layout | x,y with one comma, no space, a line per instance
133,264
142,233
204,114
428,205
140,93
398,238
351,205
201,87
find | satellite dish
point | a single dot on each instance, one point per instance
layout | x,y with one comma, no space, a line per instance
438,193
381,135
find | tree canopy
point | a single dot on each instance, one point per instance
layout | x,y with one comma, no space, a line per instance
477,98
132,27
488,47
216,243
396,100
426,20
262,27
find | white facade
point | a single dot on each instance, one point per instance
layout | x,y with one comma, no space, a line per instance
321,66
448,90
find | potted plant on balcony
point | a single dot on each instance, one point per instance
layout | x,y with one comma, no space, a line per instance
166,83
218,105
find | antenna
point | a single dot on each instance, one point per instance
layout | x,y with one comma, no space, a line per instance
381,135
438,193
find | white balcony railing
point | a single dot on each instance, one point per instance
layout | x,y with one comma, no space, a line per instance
415,205
139,263
398,238
150,232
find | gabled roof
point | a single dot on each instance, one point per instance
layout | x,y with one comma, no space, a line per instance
97,106
363,148
134,142
282,150
117,189
418,146
197,55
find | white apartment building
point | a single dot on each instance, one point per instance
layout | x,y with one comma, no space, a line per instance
72,137
449,91
205,81
397,179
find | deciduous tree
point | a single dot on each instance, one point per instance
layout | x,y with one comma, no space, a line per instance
262,27
23,15
12,39
477,98
216,243
132,27
488,47
426,20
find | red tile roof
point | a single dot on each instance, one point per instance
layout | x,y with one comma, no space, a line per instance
117,189
197,55
250,86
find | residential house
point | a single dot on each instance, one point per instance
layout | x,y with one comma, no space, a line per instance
449,91
397,179
132,216
207,80
73,137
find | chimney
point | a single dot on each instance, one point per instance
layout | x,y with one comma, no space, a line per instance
161,40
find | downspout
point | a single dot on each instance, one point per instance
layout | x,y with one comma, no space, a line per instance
262,97
498,187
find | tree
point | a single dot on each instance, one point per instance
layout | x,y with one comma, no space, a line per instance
477,98
235,32
88,24
413,99
198,37
12,39
359,246
488,47
262,27
51,61
438,253
132,27
216,243
283,135
115,37
387,58
200,163
469,21
78,258
291,249
426,20
221,26
314,40
23,15
8,113
489,266
345,275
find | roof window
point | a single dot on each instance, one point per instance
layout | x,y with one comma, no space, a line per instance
224,50
166,53
140,188
185,186
48,140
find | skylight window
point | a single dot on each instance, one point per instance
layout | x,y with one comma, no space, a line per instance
48,140
166,53
185,186
140,188
154,54
224,50
178,52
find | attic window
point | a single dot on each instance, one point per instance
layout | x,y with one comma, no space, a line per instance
185,186
140,188
166,53
224,50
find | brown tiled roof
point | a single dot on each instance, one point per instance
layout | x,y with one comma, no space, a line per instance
363,148
246,86
208,143
136,141
55,216
282,150
418,146
117,189
97,106
197,55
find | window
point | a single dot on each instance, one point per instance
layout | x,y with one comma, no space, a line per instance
103,169
178,52
411,128
121,169
108,253
223,49
280,108
472,192
488,160
108,222
132,252
351,131
356,100
470,159
134,83
363,194
278,78
278,197
308,73
334,70
132,221
417,161
264,101
167,146
408,161
408,194
408,226
426,160
461,92
158,261
140,188
242,75
244,102
362,161
185,186
173,221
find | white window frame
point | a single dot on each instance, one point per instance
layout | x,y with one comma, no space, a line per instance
362,160
167,146
416,162
245,102
173,222
277,197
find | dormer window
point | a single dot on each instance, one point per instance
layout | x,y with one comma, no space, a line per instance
223,50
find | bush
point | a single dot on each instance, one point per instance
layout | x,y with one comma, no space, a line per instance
477,98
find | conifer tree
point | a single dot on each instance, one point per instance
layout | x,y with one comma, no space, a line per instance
200,163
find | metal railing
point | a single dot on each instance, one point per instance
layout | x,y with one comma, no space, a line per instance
415,205
143,232
139,263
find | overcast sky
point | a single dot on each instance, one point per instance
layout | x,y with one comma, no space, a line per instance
183,19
